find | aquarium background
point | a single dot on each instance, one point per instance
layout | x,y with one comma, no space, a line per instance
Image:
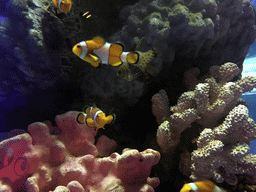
249,68
24,101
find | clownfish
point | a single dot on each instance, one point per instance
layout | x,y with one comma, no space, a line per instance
98,51
201,186
94,117
62,5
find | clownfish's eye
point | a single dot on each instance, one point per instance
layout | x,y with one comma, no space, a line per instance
78,46
81,118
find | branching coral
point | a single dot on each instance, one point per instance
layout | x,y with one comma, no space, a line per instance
223,146
223,152
69,160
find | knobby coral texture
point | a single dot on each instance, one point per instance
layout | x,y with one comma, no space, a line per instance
42,160
226,131
206,32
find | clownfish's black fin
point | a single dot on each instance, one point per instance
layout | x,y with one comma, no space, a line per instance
114,119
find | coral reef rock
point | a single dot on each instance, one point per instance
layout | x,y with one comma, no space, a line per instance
207,32
64,158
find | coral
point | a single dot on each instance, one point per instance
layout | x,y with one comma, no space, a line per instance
26,54
223,152
64,158
191,32
160,106
168,133
223,146
216,96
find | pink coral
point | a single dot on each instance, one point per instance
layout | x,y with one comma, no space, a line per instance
69,161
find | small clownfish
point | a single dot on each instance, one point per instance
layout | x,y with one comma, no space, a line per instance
98,51
62,5
94,117
201,186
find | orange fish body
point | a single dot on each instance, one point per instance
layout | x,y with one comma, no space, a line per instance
94,117
201,186
98,51
62,5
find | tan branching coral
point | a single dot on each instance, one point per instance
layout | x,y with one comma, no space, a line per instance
223,146
223,152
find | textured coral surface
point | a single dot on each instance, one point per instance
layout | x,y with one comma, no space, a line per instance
213,109
69,161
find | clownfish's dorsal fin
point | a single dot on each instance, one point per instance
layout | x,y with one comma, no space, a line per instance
99,40
115,51
94,105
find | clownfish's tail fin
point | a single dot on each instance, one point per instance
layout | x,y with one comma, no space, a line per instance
133,57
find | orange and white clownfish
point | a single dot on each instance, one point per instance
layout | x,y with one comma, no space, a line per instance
95,118
98,51
201,186
62,5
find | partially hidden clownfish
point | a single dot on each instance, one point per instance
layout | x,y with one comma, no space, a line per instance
98,51
201,186
95,118
62,5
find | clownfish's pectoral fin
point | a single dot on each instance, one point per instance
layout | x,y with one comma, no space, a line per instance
115,52
133,57
93,60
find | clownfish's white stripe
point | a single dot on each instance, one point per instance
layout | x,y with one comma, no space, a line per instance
95,120
193,186
59,2
91,113
84,49
103,53
124,56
